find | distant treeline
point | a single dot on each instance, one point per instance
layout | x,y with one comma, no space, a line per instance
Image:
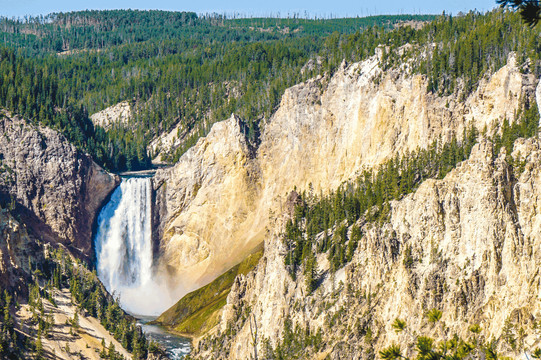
92,29
172,66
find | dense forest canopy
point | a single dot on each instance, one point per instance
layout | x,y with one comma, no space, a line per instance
92,29
183,68
173,66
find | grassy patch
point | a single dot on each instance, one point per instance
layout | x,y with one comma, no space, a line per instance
198,311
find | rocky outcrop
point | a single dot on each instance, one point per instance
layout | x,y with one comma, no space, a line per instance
538,96
218,199
201,199
116,114
55,189
472,242
169,141
18,250
85,341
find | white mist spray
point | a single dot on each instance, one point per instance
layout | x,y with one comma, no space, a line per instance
123,246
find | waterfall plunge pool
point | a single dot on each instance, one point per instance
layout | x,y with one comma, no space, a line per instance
124,260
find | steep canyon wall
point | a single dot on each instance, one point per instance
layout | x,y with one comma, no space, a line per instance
54,190
216,202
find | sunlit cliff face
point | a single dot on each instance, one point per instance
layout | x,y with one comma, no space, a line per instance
220,197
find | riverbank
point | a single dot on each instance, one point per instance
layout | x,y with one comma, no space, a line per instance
175,346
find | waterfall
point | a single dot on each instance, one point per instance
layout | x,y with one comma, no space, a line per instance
123,245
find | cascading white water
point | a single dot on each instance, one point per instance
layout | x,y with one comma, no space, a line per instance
123,245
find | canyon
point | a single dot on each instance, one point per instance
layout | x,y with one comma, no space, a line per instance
473,242
270,188
472,235
466,244
214,206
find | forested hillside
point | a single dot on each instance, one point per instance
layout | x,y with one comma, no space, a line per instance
196,70
60,271
173,66
91,29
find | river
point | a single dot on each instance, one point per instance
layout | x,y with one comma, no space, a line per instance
175,346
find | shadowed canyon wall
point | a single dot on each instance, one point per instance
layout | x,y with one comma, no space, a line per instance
54,189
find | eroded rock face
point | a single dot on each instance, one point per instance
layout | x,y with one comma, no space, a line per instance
116,114
57,190
474,239
217,201
16,248
169,141
538,96
202,198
